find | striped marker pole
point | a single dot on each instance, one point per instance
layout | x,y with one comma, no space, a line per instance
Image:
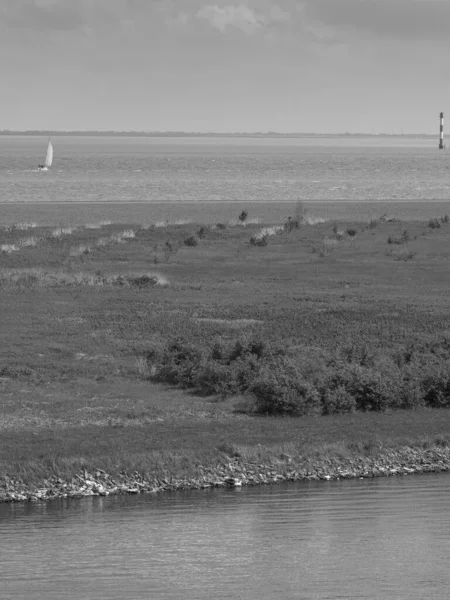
441,134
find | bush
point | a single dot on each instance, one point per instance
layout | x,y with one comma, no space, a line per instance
403,239
338,400
437,389
434,223
276,391
243,216
291,224
304,381
191,241
371,389
178,363
404,255
351,232
259,240
227,379
224,368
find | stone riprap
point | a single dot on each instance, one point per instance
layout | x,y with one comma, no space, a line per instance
233,472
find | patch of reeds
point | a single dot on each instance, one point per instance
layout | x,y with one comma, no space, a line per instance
327,245
261,237
31,277
92,226
29,242
60,231
128,234
21,226
402,239
402,254
9,248
79,251
102,242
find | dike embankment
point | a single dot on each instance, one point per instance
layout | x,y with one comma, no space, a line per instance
233,472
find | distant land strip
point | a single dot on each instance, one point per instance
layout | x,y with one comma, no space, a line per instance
257,134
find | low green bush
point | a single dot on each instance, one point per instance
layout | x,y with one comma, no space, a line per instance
434,223
192,240
304,381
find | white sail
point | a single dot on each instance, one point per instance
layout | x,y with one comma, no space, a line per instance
49,157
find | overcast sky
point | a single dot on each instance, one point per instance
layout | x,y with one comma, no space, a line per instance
225,65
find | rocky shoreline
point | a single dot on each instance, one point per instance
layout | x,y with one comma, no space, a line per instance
233,472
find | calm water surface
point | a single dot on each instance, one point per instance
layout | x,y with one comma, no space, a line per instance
371,539
128,179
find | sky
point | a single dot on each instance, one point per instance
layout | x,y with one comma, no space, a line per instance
322,66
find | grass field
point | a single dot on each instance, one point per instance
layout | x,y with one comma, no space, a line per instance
89,315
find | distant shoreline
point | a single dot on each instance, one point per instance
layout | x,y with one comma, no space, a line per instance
178,134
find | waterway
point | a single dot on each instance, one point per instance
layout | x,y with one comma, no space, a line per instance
386,538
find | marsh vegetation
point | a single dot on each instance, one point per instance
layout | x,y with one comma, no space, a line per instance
163,344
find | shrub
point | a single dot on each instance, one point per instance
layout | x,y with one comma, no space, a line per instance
351,232
338,400
243,216
404,254
434,223
437,389
8,248
445,219
224,368
300,212
290,225
257,240
178,364
191,241
403,239
339,233
277,391
221,226
215,377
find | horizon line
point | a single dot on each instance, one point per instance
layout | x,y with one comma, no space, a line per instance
144,133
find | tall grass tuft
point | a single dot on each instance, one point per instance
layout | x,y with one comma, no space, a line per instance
59,278
92,226
29,242
60,231
8,248
128,234
21,226
81,250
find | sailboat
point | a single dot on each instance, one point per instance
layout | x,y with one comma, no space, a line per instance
49,158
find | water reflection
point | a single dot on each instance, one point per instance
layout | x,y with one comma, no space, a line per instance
384,538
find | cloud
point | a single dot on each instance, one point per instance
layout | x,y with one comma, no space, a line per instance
241,17
70,15
397,19
42,15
